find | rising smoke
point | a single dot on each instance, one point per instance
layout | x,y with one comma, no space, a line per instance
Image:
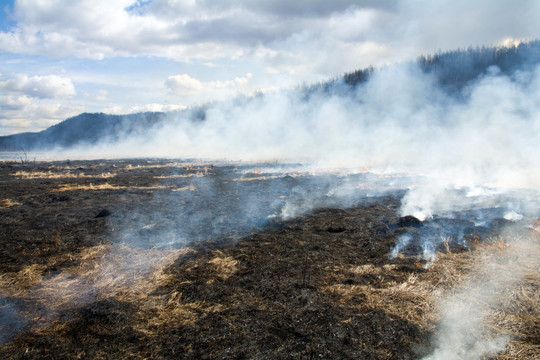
399,121
475,154
482,140
462,332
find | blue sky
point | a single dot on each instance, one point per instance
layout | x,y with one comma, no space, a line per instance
59,58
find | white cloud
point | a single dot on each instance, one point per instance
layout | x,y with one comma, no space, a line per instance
308,40
48,86
185,85
13,102
190,30
22,113
32,103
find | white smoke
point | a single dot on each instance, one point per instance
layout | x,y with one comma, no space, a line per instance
473,151
464,149
399,121
462,333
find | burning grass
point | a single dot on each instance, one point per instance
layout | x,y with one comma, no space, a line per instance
319,286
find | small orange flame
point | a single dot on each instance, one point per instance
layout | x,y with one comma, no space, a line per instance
499,244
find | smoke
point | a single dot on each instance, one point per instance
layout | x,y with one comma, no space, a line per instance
471,158
466,150
462,332
10,320
399,121
472,150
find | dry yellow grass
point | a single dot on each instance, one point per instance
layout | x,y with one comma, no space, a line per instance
91,187
15,284
107,186
224,266
498,284
9,203
502,284
59,175
190,187
99,272
258,178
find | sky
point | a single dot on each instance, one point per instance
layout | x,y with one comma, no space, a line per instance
59,58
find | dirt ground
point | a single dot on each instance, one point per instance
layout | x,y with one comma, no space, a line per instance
159,259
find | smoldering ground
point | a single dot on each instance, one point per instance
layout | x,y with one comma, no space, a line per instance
456,154
471,150
400,121
476,152
77,274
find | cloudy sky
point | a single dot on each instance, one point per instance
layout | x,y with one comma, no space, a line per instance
59,58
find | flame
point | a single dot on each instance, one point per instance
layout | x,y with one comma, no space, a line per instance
493,243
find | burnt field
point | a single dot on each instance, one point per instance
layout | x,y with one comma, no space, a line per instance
171,259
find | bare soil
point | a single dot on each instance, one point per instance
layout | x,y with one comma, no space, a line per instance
158,259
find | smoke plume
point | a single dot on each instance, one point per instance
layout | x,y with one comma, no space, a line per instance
471,156
401,120
462,332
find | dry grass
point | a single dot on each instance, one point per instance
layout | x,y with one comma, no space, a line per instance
500,284
88,187
9,203
97,273
107,186
224,266
258,178
190,187
60,175
300,290
15,284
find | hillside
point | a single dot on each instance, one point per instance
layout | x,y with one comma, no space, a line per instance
82,129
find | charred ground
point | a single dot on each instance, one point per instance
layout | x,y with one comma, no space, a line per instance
83,276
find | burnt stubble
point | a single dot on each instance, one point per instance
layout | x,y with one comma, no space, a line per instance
166,259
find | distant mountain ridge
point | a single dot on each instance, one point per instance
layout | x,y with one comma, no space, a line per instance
453,70
86,128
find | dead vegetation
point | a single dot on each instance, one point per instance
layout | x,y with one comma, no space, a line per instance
58,175
320,286
9,203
